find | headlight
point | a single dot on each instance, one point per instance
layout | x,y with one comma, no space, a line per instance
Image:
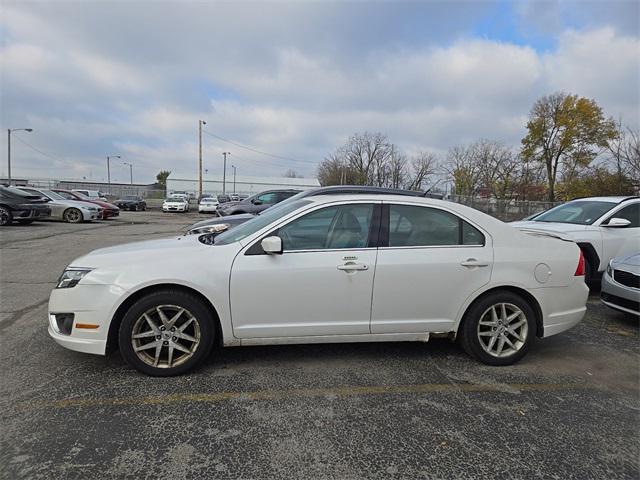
71,276
219,227
610,270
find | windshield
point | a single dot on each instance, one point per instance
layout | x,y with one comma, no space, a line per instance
252,226
81,195
174,199
208,200
53,195
579,212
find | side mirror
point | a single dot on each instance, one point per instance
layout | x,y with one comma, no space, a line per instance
272,245
256,202
616,222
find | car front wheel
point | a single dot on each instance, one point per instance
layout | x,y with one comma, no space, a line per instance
498,329
73,215
166,333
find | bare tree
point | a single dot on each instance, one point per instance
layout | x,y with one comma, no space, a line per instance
291,173
625,154
423,167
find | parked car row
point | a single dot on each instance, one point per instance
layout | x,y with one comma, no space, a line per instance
25,204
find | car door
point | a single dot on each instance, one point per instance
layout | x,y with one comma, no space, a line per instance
618,241
322,282
429,262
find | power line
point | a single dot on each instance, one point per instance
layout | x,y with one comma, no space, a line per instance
255,150
38,150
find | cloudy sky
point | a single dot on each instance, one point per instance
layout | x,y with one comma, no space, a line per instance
295,79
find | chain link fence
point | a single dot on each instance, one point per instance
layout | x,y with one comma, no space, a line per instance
506,210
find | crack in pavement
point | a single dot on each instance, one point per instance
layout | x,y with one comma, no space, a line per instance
18,314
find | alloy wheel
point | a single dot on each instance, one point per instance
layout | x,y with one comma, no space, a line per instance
502,330
166,336
73,215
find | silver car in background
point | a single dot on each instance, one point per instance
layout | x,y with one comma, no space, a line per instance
621,284
71,211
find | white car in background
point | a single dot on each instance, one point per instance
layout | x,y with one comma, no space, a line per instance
603,228
92,194
303,272
208,205
175,203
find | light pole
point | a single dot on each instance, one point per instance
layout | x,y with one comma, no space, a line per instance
234,178
109,157
9,148
200,123
130,171
224,172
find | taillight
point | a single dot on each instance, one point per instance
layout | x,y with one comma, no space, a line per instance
580,267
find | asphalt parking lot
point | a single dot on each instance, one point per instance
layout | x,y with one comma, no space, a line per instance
570,409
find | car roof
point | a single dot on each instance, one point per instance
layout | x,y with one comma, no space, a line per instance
367,189
618,199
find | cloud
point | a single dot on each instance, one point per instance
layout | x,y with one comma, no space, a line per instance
293,79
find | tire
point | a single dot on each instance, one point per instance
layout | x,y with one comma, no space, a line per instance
481,310
144,208
196,321
6,217
26,222
72,215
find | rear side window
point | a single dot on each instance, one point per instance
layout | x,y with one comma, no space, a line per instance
413,226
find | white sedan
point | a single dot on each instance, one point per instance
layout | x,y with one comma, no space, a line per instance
208,205
327,268
175,204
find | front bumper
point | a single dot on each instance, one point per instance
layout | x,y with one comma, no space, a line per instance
619,297
173,209
90,304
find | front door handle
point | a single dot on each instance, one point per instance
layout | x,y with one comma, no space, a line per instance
472,262
353,267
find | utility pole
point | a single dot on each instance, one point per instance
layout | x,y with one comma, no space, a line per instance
234,178
130,171
224,172
109,157
200,123
9,149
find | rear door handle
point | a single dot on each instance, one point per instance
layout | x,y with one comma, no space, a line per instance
353,267
472,262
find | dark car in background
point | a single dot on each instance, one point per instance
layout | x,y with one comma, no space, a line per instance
131,202
21,207
217,225
108,209
256,203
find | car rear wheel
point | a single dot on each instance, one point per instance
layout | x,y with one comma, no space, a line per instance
498,329
72,215
5,216
166,333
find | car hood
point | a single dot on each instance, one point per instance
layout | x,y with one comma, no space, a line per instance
130,253
550,226
233,219
127,201
174,202
632,260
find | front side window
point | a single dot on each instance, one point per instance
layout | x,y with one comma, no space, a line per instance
413,226
269,216
631,213
337,227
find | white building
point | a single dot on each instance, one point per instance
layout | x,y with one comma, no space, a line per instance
244,184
